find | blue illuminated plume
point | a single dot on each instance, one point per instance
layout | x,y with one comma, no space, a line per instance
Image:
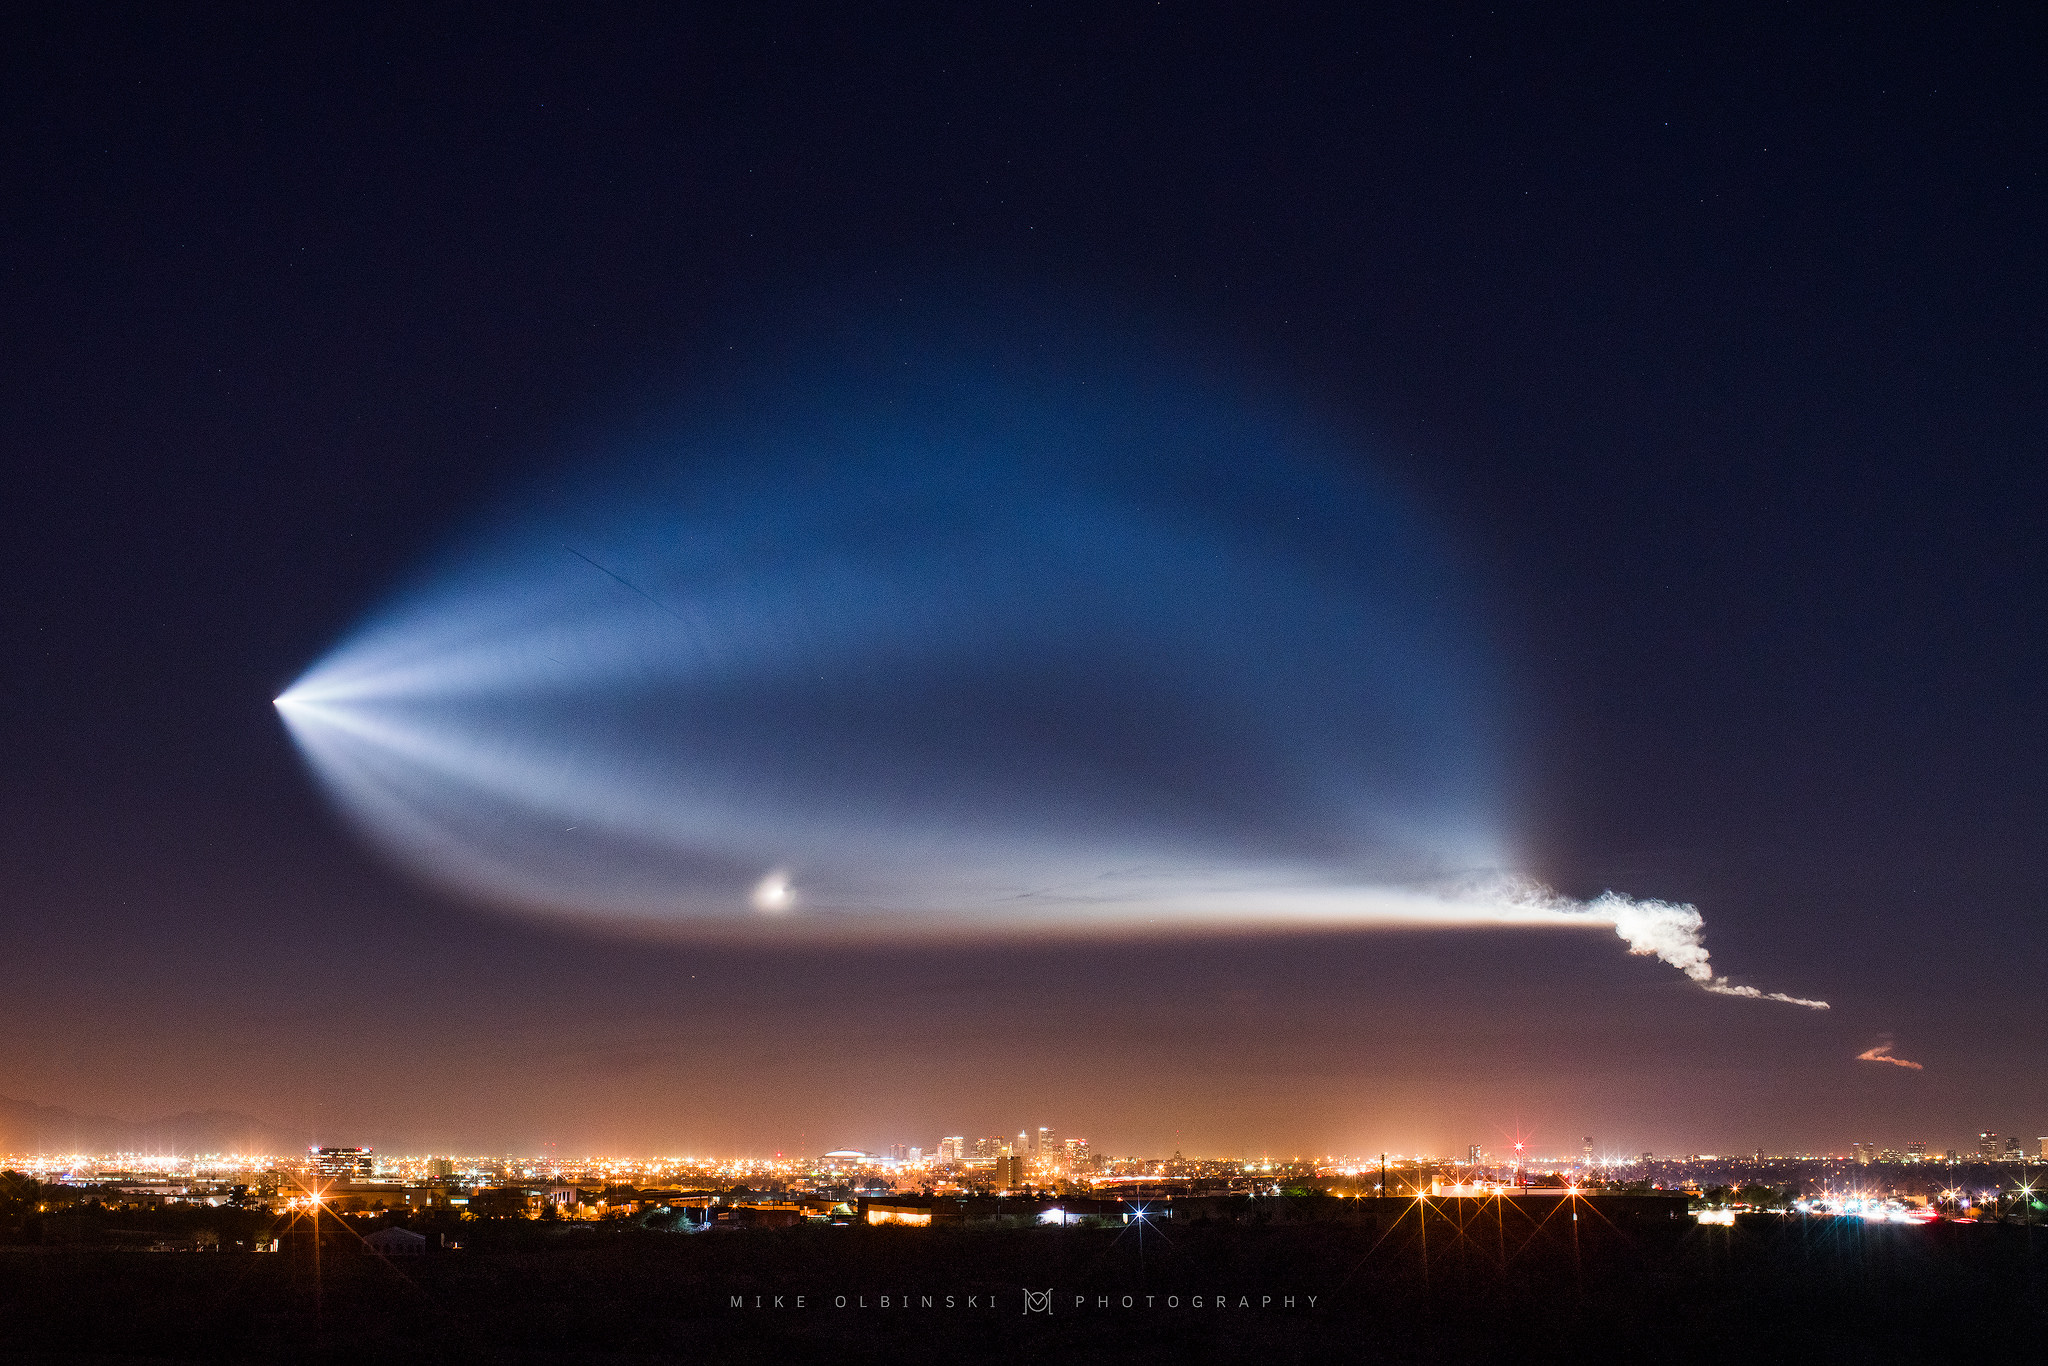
964,652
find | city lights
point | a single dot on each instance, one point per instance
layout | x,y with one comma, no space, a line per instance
1047,1173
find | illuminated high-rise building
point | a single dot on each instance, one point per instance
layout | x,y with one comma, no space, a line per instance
1046,1148
1987,1145
1916,1152
1588,1150
343,1164
953,1148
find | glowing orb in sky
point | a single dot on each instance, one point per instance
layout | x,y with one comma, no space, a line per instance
773,894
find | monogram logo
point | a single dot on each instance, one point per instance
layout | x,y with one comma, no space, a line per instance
1038,1301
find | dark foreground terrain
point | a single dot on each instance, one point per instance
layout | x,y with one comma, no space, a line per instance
1792,1290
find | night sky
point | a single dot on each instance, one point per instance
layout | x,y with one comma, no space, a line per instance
1702,354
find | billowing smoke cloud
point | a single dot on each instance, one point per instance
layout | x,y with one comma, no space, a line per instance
944,648
1671,932
1883,1053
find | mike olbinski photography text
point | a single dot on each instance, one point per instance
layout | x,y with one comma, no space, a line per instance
1028,1301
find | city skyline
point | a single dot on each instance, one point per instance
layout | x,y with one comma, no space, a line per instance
365,1166
1033,1144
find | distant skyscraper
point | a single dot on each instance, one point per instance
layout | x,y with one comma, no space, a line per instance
1987,1146
343,1164
1472,1154
2013,1149
2043,1141
953,1148
1046,1147
1588,1150
1916,1152
1009,1171
899,1153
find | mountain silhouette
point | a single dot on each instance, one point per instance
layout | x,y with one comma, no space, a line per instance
26,1127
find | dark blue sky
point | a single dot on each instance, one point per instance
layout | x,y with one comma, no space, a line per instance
1712,342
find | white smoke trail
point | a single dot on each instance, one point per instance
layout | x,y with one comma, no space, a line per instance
1723,988
1164,901
1671,931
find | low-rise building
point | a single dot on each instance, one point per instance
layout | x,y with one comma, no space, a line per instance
396,1242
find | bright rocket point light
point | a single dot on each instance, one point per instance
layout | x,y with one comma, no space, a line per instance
950,654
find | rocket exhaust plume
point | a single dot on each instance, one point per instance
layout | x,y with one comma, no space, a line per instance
1670,931
1883,1053
932,643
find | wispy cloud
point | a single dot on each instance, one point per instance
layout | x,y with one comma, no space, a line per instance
1883,1053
